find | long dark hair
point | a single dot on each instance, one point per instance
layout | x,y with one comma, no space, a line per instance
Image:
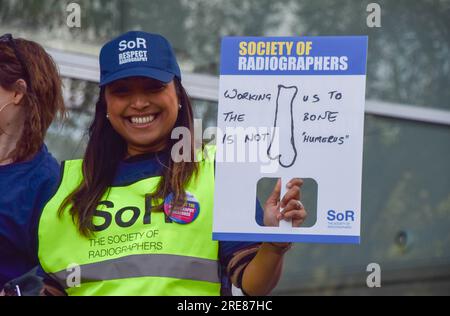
106,148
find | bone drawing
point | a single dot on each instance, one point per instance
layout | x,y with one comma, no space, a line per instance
282,144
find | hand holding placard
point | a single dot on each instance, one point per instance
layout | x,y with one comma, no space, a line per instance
292,209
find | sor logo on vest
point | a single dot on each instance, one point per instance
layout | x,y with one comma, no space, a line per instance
129,215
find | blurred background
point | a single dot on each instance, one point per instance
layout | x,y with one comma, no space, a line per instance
406,177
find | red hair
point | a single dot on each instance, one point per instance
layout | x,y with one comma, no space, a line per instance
42,102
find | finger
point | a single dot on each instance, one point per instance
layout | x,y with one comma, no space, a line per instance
295,215
294,181
299,222
294,193
274,197
292,205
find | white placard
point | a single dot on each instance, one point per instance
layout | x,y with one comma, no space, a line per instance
290,107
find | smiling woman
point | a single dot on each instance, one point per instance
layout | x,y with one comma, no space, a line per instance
143,111
129,184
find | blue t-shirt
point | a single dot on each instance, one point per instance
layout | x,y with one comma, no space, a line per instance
24,189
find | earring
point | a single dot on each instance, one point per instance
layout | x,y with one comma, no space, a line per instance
107,116
180,106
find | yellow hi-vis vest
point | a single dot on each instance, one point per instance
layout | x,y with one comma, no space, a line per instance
134,251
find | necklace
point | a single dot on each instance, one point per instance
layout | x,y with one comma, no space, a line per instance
160,162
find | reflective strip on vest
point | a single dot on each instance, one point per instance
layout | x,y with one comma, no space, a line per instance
154,265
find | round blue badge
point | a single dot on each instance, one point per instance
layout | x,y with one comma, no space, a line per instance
186,214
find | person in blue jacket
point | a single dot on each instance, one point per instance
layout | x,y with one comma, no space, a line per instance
30,97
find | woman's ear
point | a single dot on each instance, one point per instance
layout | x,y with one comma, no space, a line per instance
19,91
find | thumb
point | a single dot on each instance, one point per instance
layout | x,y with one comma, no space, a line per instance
274,197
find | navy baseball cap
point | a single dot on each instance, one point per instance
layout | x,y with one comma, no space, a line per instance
138,54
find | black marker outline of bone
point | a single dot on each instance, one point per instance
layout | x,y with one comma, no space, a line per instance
292,128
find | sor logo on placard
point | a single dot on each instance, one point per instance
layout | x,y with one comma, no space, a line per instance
341,219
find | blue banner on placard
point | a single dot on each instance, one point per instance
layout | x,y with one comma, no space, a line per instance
321,55
255,237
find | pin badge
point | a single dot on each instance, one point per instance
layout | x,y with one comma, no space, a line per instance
184,215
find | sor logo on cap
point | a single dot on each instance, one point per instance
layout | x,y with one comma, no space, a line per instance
138,43
187,213
137,51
